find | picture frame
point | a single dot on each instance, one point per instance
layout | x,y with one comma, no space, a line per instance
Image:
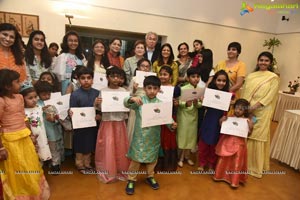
24,23
29,24
2,17
15,19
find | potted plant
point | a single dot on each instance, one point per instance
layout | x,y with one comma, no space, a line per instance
293,85
271,44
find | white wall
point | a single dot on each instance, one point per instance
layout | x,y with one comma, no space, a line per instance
177,20
288,56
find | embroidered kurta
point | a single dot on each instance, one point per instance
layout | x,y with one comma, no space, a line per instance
35,118
187,119
145,143
63,67
36,69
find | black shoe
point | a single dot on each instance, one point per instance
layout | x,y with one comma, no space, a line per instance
129,187
152,182
55,170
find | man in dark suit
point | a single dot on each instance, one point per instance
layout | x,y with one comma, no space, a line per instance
151,41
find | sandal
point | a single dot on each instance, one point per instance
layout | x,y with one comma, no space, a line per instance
89,170
81,170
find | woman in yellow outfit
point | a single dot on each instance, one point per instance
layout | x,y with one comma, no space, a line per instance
235,68
260,89
166,58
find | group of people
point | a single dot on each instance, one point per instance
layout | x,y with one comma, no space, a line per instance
28,77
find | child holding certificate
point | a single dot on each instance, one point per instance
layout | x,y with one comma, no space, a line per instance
112,141
52,125
210,128
34,113
232,151
187,118
168,161
146,141
135,90
84,139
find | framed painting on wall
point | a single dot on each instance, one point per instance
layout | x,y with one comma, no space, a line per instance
2,18
24,23
29,24
15,19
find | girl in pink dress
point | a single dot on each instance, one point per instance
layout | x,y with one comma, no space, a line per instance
232,151
112,141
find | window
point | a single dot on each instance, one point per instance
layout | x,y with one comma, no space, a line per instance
88,35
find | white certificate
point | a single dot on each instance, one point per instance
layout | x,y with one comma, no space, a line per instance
166,93
217,99
83,117
154,114
140,76
55,95
100,81
62,104
235,126
113,101
191,94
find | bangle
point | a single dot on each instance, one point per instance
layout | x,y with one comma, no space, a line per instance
2,148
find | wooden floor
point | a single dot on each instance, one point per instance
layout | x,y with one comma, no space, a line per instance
177,186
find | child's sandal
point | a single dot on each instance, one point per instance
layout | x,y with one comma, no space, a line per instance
89,170
81,170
